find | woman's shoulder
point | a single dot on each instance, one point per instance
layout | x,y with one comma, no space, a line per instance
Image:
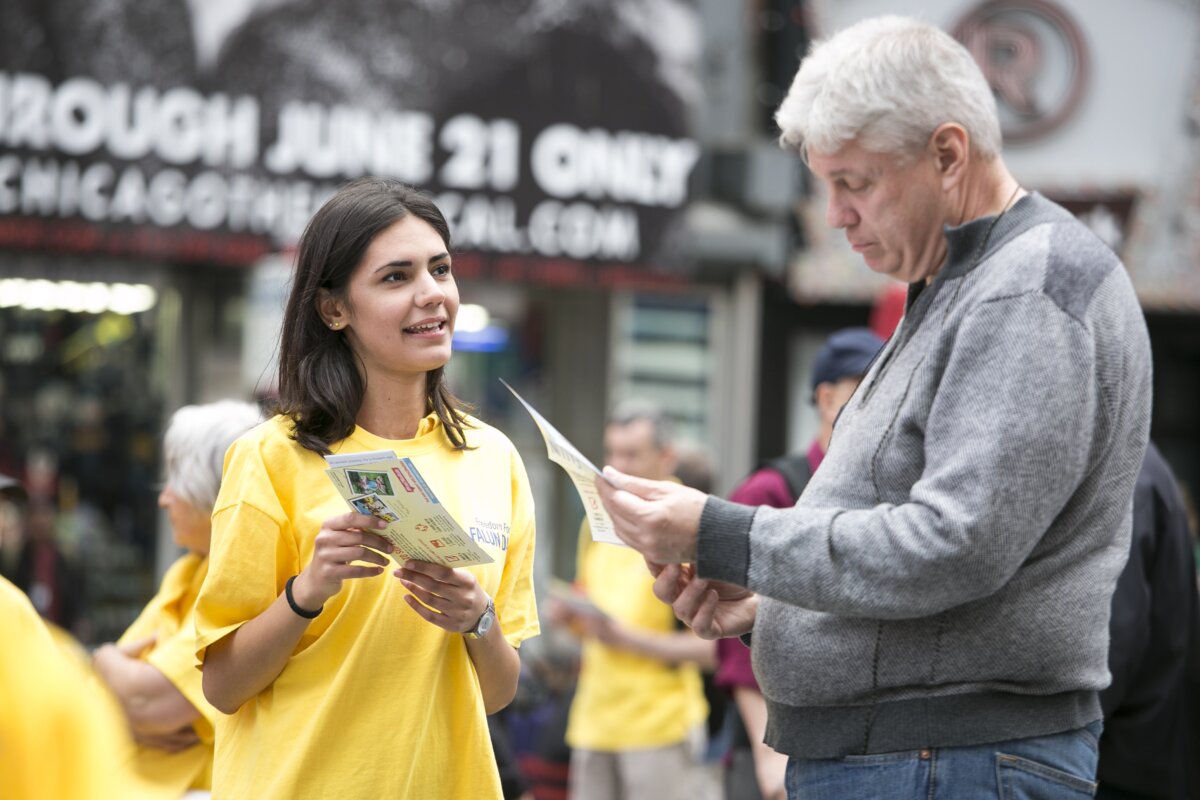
271,437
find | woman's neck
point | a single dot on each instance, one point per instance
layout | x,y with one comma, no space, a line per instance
393,408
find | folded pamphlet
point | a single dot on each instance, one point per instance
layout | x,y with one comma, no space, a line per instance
579,469
392,489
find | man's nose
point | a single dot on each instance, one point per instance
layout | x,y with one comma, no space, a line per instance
839,214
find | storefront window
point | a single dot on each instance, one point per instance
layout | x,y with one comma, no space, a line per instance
79,426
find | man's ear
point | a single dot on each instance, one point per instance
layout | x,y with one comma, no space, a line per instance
330,309
950,146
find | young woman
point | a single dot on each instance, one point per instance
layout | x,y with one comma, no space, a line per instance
340,681
152,669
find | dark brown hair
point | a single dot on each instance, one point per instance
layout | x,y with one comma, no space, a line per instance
320,387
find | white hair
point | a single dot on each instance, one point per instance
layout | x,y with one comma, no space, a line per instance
630,411
887,82
195,443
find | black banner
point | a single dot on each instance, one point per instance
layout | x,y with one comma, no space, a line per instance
210,131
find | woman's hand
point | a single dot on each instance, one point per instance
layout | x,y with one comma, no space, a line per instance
454,601
455,597
343,540
242,664
137,648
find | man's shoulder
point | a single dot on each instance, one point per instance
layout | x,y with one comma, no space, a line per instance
1054,254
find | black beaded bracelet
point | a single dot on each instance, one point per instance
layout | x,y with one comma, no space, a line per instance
292,602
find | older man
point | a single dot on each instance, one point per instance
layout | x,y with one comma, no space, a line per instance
936,604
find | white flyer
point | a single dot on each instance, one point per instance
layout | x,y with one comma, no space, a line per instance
393,490
579,469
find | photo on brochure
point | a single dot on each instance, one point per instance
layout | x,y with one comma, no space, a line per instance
369,482
373,505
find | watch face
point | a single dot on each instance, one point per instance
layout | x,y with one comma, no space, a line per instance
485,622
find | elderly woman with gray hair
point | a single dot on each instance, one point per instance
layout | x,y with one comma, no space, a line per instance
151,669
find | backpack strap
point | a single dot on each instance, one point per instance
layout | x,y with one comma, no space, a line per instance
795,471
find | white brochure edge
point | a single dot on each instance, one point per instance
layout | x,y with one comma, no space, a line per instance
579,469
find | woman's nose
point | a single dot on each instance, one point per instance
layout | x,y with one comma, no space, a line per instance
430,292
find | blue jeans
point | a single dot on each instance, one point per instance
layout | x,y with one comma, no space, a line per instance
1062,765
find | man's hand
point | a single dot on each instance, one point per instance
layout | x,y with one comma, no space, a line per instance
659,519
579,624
712,609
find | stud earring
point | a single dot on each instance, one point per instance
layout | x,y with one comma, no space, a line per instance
334,325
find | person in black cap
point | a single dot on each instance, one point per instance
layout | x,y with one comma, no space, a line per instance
839,367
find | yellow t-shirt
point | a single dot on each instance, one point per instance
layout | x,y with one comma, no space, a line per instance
375,701
625,701
169,617
60,730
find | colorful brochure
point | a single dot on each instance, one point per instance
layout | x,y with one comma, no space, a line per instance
392,489
581,472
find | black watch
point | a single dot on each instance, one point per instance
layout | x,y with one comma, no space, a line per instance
486,620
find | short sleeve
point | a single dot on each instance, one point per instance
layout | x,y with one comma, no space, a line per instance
516,605
251,555
175,658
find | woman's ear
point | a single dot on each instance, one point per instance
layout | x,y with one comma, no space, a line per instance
330,309
951,148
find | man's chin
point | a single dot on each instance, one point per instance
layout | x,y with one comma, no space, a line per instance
878,265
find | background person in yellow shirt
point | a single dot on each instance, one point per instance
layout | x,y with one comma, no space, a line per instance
60,734
152,668
636,722
340,683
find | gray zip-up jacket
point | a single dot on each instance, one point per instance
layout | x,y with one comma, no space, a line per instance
945,577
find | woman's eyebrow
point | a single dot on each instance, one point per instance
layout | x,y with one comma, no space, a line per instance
400,263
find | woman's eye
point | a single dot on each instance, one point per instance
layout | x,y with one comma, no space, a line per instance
441,270
395,277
